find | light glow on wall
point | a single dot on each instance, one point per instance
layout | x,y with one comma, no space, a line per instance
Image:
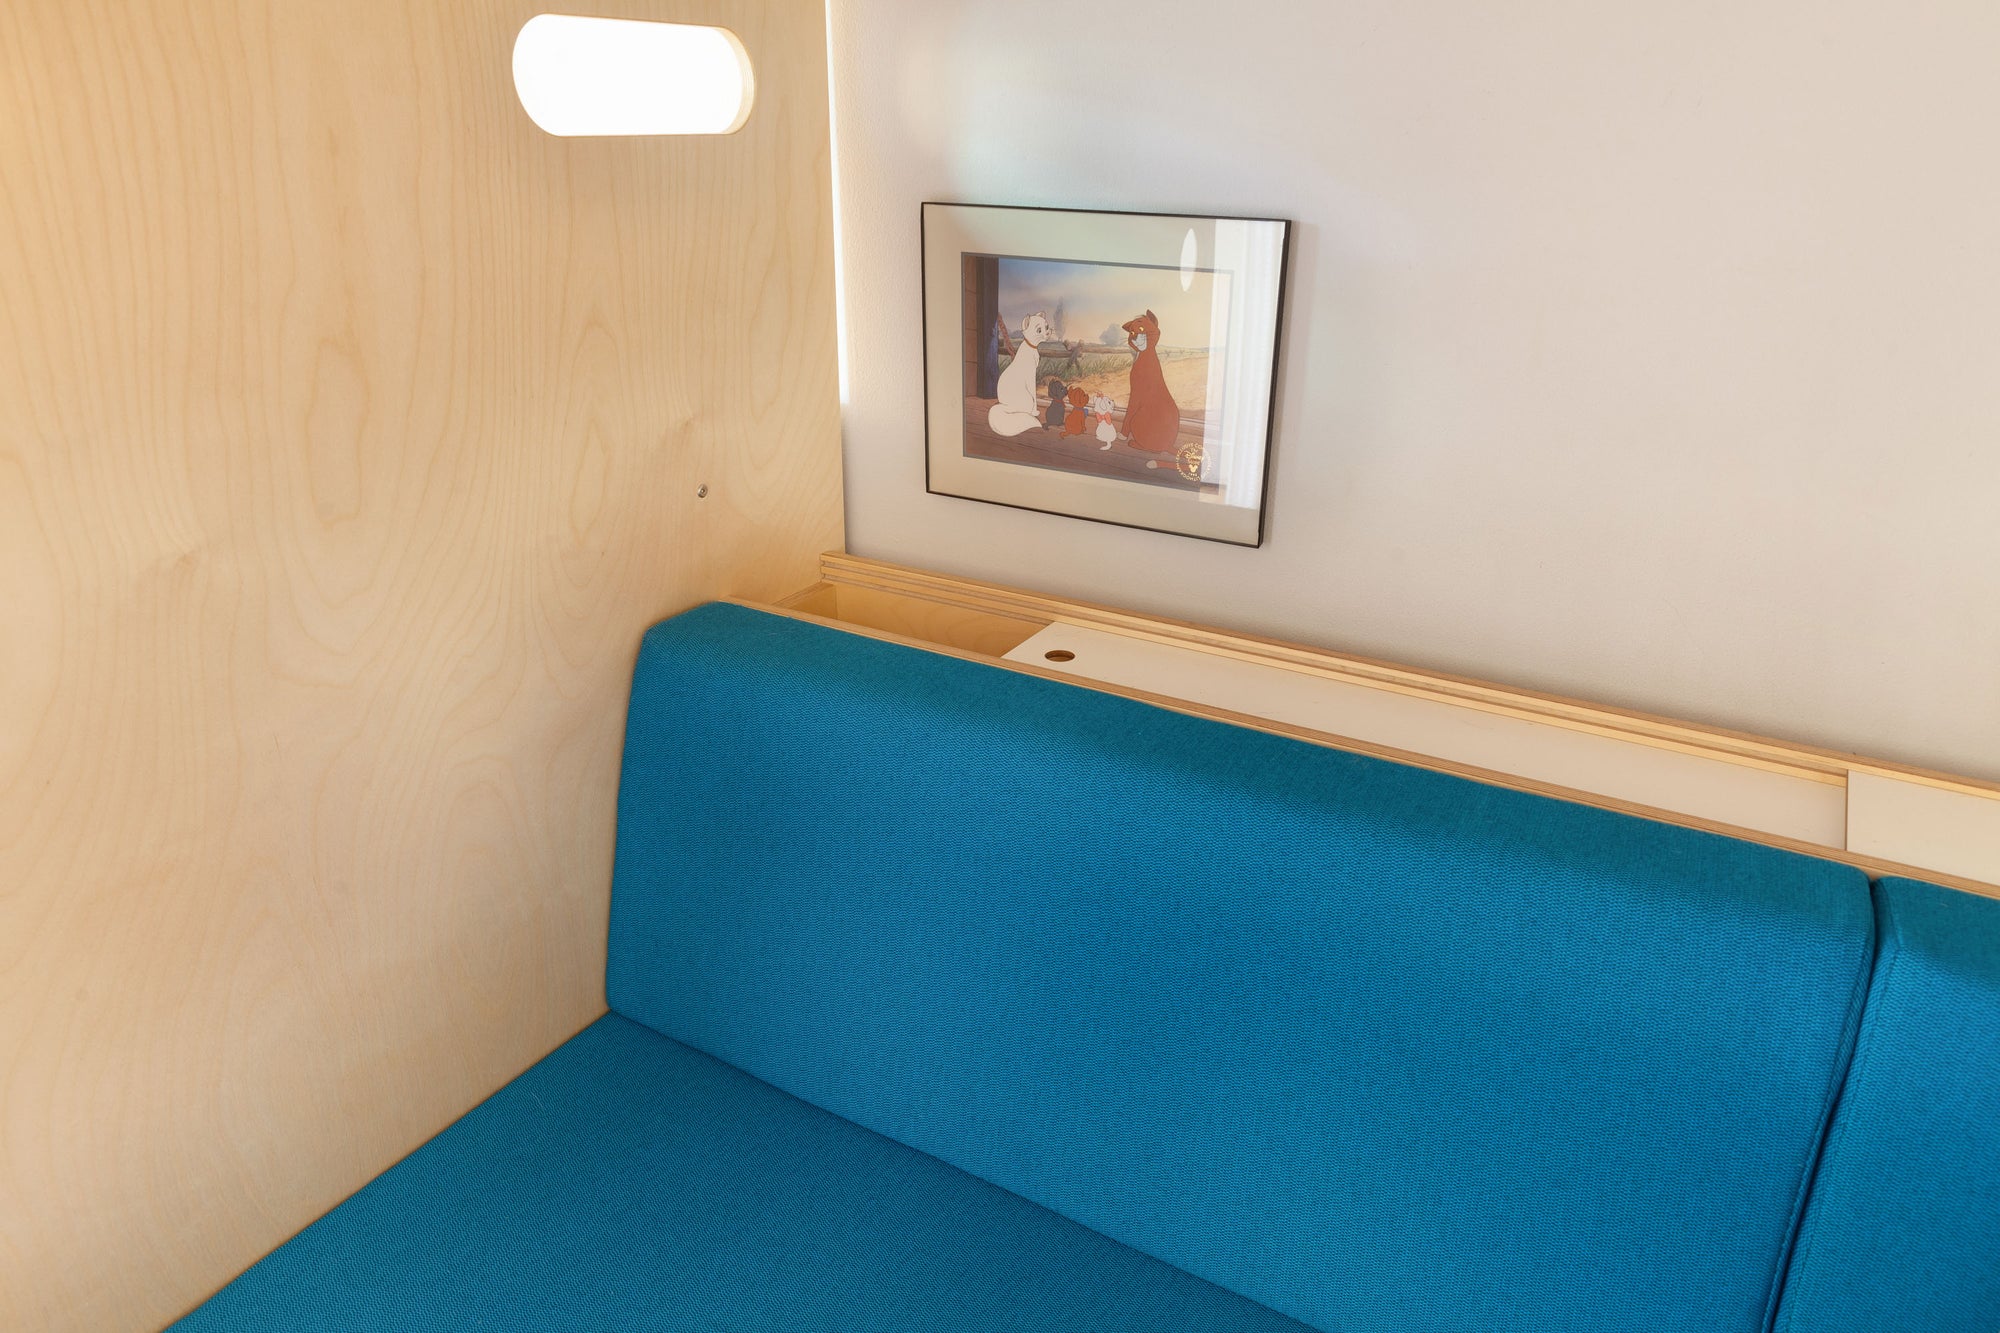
580,76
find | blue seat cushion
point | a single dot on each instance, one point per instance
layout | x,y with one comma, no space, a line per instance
629,1183
1903,1231
1380,1048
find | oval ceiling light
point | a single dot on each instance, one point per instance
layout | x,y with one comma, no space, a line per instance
580,76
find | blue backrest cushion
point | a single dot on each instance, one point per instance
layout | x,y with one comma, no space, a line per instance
1903,1231
1381,1048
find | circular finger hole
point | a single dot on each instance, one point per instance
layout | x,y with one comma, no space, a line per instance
1060,655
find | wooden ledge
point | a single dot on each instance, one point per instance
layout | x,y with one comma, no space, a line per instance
1886,818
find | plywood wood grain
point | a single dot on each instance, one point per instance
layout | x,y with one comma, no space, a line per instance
937,622
350,434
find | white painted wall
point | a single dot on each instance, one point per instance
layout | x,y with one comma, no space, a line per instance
1643,352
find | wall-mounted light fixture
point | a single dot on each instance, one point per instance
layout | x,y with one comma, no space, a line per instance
579,76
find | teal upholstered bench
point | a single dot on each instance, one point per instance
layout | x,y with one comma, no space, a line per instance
945,997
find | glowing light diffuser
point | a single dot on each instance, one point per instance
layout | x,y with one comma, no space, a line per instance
580,76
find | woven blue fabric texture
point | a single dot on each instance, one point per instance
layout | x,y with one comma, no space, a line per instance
1903,1230
627,1183
1380,1048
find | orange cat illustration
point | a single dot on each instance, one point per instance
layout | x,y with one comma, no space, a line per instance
1078,420
1152,418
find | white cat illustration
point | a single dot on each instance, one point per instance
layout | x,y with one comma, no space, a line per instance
1107,430
1015,412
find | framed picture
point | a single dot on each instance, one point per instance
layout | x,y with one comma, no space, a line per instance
1111,366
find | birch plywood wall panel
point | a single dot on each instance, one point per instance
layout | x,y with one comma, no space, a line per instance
350,434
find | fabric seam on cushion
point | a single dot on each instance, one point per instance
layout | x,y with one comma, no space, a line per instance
345,1199
974,1175
1799,1277
1849,1044
611,932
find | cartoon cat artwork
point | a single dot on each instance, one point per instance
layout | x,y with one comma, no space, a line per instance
1152,418
1078,420
1058,404
1016,411
1107,429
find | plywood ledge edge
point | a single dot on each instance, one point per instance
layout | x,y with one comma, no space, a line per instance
1826,765
1872,866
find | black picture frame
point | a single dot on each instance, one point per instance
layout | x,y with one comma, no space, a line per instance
995,455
